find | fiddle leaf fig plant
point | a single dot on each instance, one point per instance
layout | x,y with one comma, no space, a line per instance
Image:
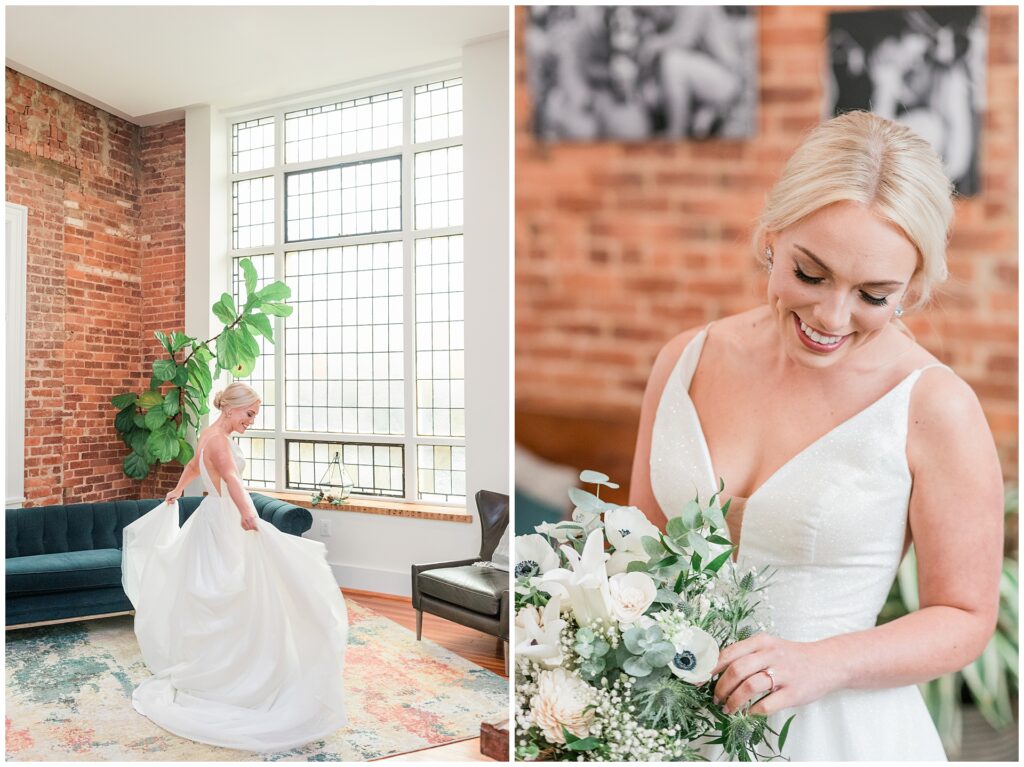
155,424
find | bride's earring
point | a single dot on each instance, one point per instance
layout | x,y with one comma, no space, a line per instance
899,312
769,256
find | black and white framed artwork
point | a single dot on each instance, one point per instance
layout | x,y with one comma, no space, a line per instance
924,67
634,73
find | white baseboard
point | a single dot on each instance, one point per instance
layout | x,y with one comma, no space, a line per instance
371,579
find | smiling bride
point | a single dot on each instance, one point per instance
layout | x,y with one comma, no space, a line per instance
841,441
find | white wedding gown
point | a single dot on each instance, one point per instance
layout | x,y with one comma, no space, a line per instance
831,522
244,632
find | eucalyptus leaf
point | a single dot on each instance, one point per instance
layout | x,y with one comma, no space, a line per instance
587,501
716,564
660,654
691,515
713,514
637,667
698,544
653,547
676,528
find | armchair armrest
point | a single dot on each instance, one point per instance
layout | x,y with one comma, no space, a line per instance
417,569
503,615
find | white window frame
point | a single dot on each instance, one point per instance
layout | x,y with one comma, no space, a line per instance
407,83
15,272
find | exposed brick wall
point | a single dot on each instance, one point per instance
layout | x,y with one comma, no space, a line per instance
89,179
619,247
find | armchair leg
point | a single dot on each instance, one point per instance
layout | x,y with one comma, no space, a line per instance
419,624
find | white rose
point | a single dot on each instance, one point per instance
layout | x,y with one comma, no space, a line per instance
631,595
533,556
562,700
696,655
626,527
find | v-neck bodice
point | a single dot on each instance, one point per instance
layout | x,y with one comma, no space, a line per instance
204,472
831,520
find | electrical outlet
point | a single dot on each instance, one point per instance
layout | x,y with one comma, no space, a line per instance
325,528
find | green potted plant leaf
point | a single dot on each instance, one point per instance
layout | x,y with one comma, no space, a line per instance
155,423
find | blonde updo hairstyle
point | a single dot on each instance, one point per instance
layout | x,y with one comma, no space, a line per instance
861,157
235,395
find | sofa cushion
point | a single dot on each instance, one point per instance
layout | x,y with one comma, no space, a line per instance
68,571
475,588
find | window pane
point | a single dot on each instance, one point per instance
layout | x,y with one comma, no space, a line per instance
262,378
440,403
252,213
438,110
441,473
343,200
437,191
252,145
259,461
375,469
334,130
344,341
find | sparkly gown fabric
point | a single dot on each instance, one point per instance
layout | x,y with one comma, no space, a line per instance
244,632
831,522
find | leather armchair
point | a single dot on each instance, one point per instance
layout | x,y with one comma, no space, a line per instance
477,597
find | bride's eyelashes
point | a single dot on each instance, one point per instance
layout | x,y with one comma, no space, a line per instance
867,297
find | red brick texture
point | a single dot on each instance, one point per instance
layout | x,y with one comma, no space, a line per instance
619,247
106,255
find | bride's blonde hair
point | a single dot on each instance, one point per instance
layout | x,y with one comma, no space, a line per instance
861,157
235,395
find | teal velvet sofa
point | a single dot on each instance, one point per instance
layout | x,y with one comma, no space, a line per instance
64,562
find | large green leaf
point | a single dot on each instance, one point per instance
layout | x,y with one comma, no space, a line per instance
124,420
121,401
170,405
178,340
185,452
163,443
203,354
139,420
164,369
275,291
150,399
135,466
244,368
278,310
137,442
180,376
155,418
228,349
251,278
224,310
248,343
164,341
261,324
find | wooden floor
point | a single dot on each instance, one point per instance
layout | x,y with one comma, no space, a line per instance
474,646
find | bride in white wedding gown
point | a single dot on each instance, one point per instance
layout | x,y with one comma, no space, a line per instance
242,625
841,441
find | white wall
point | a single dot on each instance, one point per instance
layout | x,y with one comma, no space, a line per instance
368,551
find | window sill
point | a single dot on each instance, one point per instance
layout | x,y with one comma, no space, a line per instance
384,508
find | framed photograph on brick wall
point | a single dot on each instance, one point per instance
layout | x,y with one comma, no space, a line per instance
923,67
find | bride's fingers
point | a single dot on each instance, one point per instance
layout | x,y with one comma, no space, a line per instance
755,684
737,672
739,649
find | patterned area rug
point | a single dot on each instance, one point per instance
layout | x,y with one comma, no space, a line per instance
69,693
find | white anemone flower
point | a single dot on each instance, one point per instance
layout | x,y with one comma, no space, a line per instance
563,700
534,556
559,531
585,586
696,655
589,520
627,526
631,595
538,633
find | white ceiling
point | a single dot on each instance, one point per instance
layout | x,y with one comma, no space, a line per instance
148,63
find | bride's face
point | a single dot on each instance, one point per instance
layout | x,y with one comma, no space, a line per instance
838,276
241,418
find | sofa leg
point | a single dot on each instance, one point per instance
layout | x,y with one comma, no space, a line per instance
419,624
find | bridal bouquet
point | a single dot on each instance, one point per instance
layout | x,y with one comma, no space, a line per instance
618,628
